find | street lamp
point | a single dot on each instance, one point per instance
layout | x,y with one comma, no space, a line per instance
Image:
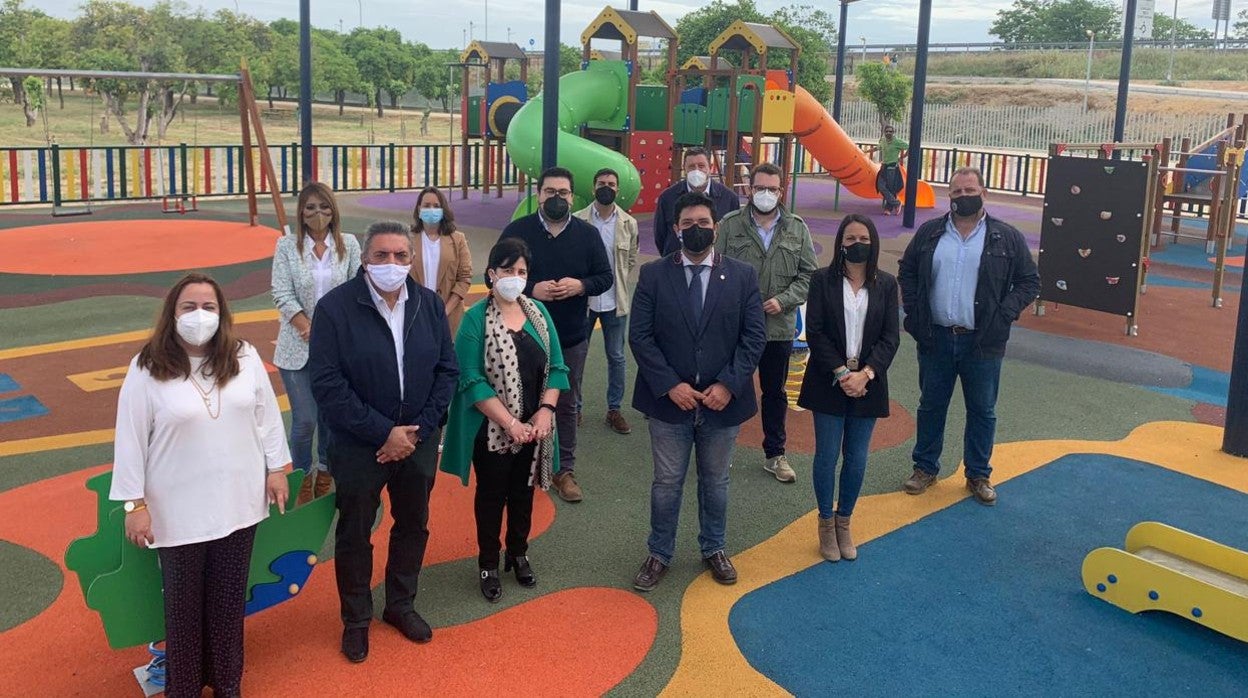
360,3
863,39
1174,25
1087,80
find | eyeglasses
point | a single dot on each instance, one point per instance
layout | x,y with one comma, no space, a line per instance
770,190
565,193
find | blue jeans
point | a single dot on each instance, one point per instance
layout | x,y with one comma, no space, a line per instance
671,445
304,420
951,358
614,330
835,435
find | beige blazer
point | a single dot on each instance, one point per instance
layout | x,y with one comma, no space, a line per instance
624,255
454,274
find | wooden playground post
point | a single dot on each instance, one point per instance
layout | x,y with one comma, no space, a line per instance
248,171
266,161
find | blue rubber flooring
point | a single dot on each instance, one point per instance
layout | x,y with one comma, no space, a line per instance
978,601
1207,385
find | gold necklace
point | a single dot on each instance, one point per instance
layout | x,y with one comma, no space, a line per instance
206,396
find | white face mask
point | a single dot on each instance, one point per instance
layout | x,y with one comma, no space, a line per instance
509,288
696,178
388,277
198,326
765,201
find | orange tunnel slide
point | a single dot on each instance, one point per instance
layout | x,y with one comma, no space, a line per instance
836,151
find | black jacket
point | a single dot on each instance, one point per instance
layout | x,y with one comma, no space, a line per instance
355,376
1008,282
825,335
725,200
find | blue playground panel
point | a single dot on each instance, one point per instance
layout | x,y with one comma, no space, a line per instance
1206,162
1207,385
693,95
293,568
979,601
7,384
21,407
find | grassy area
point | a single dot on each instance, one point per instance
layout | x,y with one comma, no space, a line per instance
209,122
1146,64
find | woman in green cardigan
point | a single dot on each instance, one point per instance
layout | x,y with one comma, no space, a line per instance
501,420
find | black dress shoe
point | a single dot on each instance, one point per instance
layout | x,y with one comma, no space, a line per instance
355,644
524,573
722,570
410,624
647,578
491,587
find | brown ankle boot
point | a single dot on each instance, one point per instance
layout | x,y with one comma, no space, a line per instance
827,541
323,482
305,490
843,541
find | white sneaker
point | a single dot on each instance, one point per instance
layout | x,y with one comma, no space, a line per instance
779,466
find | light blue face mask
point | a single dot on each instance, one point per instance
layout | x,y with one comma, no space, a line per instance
431,216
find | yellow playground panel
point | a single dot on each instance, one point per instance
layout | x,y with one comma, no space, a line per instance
1166,569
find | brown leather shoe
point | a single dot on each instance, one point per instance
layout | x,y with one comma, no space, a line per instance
651,572
982,490
618,424
305,489
722,570
566,487
323,482
827,541
918,482
849,551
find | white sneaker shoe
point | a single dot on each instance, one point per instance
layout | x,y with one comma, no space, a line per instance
779,466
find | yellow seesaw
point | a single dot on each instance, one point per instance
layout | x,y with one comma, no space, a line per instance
1166,569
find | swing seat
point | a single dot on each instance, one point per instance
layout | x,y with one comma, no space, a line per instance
179,206
64,211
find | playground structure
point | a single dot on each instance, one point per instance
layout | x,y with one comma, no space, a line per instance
1167,569
487,115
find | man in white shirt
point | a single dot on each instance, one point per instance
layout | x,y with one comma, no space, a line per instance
618,231
383,373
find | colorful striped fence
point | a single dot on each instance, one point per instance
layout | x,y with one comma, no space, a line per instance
74,174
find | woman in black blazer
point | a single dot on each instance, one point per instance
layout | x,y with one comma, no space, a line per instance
852,331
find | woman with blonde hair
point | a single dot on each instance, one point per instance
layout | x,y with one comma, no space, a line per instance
199,457
306,265
442,262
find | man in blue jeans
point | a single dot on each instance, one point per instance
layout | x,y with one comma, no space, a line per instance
618,231
965,278
697,334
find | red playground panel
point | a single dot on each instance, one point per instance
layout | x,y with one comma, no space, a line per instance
651,153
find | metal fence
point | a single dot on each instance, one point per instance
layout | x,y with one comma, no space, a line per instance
1029,128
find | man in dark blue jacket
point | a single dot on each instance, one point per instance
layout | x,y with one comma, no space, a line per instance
965,278
697,334
383,373
697,164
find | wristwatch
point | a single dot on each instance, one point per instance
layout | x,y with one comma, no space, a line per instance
131,507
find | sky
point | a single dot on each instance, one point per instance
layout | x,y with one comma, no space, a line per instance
443,24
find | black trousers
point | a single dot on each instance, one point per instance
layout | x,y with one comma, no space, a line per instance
360,479
205,593
773,373
502,481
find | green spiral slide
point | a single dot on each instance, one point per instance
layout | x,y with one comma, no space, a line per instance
585,96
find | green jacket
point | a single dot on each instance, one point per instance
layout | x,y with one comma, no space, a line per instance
463,417
784,268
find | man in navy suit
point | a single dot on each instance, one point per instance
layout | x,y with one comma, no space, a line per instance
697,334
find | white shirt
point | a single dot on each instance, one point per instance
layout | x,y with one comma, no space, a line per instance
706,272
393,318
605,302
202,478
855,317
321,268
431,253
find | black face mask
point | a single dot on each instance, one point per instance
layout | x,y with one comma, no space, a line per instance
857,253
966,206
555,208
604,195
695,240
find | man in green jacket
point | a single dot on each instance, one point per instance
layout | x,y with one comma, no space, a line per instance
777,244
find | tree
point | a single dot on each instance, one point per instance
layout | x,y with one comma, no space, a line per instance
435,81
17,49
1183,29
888,90
385,64
1241,24
332,69
1056,21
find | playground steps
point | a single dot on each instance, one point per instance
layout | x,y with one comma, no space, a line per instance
1167,569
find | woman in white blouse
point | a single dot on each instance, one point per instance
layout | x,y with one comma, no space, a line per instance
442,262
852,330
306,265
199,456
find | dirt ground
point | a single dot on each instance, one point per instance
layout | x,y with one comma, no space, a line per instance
1051,95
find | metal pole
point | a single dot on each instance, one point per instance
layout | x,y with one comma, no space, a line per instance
1087,80
1124,73
305,89
632,5
550,87
864,48
840,63
914,158
360,3
1174,25
486,29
